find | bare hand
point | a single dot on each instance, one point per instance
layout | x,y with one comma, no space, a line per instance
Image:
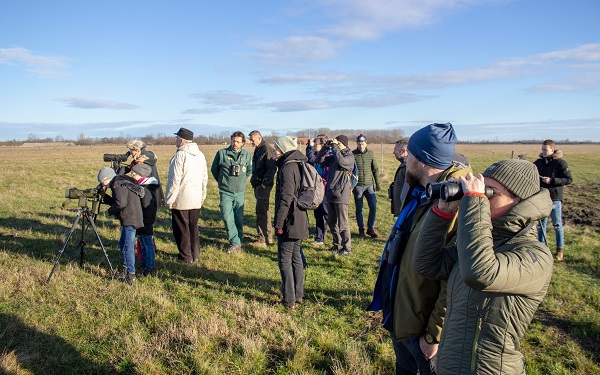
471,183
429,350
546,180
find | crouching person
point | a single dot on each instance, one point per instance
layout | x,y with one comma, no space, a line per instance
498,272
291,223
126,205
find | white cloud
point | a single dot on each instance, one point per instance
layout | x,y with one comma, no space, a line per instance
224,97
40,65
294,48
85,103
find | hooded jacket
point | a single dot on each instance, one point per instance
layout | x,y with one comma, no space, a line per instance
149,204
125,202
340,165
497,278
288,216
188,177
555,167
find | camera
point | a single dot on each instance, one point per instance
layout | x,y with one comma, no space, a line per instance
449,191
235,170
91,194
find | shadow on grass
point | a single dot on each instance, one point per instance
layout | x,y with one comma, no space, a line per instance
585,334
24,347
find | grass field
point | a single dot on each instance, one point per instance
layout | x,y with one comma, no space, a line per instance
221,315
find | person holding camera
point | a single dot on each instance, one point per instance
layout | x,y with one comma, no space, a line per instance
125,204
339,160
231,168
263,175
141,173
314,146
414,306
368,184
498,272
291,223
186,192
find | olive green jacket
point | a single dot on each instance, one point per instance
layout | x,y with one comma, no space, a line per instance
368,170
497,277
420,302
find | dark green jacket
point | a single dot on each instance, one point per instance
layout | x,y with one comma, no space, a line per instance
222,165
420,303
496,282
368,171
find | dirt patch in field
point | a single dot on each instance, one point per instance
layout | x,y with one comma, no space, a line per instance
581,205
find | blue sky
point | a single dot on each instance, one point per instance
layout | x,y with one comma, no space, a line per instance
498,70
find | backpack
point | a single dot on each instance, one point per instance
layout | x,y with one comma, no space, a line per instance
312,189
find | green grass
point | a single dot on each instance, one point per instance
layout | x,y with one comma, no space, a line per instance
221,315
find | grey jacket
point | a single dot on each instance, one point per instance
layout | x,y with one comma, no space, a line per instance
340,164
496,281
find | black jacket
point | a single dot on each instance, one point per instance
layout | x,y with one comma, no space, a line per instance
555,167
288,216
149,158
149,208
263,165
125,202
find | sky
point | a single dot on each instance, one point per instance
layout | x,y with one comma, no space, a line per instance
498,70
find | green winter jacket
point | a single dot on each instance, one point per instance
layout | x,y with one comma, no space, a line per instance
420,303
222,167
497,278
368,171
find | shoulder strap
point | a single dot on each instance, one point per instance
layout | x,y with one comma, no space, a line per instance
519,233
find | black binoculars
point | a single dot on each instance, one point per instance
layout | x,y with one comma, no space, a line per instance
235,170
449,191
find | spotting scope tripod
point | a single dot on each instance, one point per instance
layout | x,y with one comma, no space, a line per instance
87,220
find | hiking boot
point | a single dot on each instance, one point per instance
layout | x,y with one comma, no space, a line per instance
148,272
560,255
129,279
361,232
333,249
299,300
372,233
343,252
233,249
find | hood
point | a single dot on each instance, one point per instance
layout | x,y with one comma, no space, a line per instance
556,155
131,184
534,208
293,155
190,148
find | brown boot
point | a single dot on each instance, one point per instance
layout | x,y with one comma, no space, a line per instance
560,255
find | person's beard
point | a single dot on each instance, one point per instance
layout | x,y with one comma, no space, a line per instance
400,159
412,180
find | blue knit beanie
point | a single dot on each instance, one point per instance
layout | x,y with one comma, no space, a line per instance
433,145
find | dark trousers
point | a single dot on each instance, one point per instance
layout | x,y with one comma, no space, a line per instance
410,359
339,226
321,218
185,230
360,192
264,229
291,268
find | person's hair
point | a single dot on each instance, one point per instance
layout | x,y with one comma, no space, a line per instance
253,132
402,142
548,142
136,144
239,134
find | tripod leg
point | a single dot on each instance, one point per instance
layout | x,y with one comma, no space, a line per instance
62,249
90,220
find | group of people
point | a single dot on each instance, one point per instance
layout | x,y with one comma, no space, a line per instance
459,280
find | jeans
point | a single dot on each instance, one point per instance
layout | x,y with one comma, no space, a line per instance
410,360
148,250
556,216
368,192
127,247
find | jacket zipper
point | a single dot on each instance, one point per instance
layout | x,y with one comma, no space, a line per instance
474,350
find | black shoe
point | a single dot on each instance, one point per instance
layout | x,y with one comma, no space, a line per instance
343,252
129,279
148,272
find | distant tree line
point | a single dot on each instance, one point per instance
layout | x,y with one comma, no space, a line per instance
387,136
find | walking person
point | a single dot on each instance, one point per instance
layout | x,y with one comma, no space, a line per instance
231,168
124,204
554,174
368,184
141,173
186,192
340,162
263,174
313,147
498,272
291,223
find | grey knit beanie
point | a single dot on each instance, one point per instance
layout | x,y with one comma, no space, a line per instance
519,176
106,173
286,143
143,170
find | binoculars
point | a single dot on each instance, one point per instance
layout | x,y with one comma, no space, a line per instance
449,191
235,170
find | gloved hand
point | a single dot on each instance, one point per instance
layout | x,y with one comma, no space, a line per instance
279,231
377,188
